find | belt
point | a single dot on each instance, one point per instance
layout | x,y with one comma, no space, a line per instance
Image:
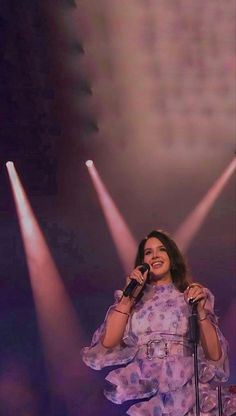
157,348
162,348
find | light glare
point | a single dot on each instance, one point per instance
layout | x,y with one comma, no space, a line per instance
89,163
9,164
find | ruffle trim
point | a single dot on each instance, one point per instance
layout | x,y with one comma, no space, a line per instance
143,378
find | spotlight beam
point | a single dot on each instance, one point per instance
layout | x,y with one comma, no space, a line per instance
124,241
189,228
56,317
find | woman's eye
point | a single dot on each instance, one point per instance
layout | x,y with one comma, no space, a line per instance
162,249
147,252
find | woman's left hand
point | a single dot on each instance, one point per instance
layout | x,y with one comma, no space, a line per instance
196,293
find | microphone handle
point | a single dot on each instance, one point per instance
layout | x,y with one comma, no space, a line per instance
131,286
193,302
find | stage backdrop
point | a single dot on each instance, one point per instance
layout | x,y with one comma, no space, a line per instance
146,90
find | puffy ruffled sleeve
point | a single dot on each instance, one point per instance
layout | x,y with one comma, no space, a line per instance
214,371
97,357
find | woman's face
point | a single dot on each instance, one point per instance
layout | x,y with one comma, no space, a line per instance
156,256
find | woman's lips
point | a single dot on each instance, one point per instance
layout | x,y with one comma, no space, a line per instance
157,264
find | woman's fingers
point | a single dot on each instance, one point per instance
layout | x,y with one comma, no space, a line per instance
195,293
138,276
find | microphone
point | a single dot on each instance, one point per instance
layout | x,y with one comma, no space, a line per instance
192,301
133,284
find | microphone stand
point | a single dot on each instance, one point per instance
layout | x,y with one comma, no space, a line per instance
194,339
219,400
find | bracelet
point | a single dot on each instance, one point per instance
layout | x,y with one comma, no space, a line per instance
202,319
124,313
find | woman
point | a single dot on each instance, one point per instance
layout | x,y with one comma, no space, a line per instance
148,332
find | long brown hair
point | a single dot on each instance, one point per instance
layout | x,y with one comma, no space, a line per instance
178,268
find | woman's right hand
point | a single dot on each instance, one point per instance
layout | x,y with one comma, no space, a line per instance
139,277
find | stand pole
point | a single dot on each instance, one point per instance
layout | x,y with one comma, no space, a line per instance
220,401
194,338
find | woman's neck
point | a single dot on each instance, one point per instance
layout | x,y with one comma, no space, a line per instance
159,281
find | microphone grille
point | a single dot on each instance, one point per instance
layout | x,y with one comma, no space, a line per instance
144,267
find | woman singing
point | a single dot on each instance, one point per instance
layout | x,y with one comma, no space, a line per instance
146,335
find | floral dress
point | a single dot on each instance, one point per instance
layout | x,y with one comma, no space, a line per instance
156,362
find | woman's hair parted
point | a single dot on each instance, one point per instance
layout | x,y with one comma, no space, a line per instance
178,265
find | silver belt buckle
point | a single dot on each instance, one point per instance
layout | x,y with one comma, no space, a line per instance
160,345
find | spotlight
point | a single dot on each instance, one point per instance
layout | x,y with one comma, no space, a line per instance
124,241
89,163
9,163
57,319
191,225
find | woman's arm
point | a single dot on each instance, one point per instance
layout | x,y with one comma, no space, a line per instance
118,317
116,323
208,336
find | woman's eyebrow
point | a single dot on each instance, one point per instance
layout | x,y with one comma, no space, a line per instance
149,248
